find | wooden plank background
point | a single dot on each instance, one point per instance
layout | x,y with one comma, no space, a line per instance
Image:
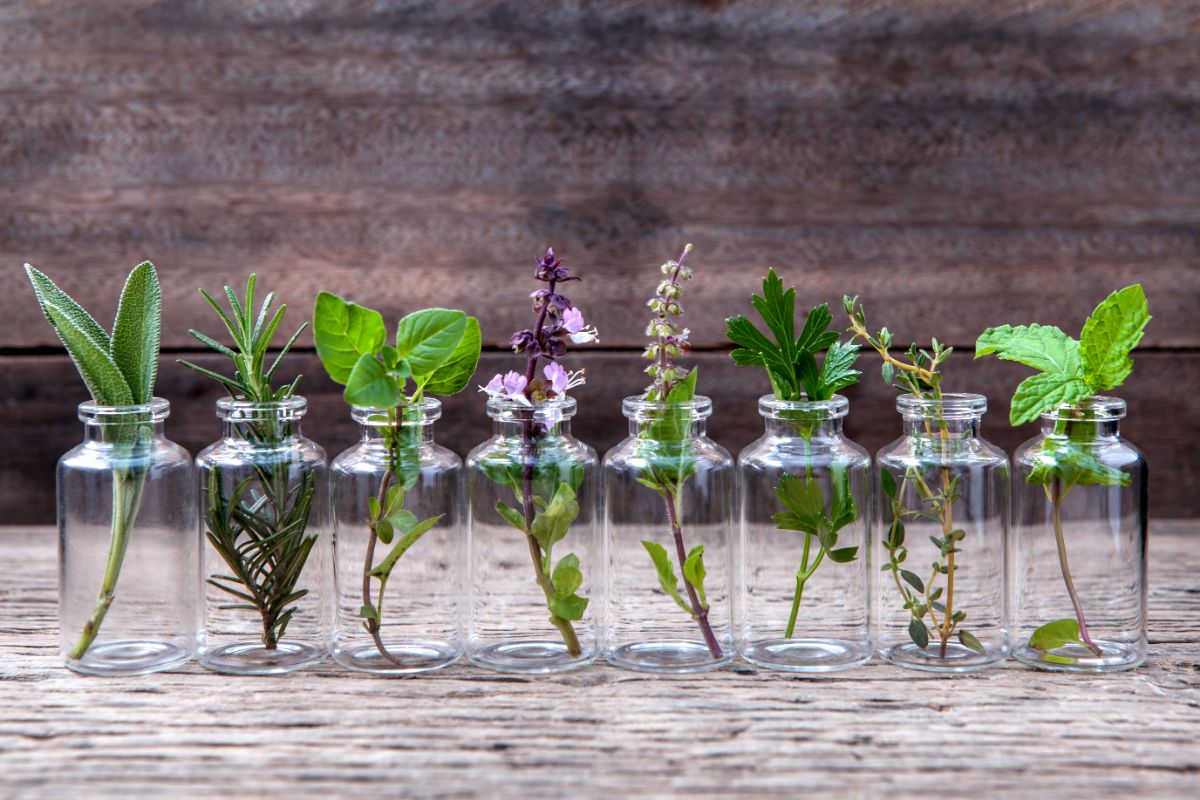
957,164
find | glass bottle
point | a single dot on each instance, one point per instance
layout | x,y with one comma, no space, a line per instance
533,611
128,555
1077,553
263,513
419,627
938,594
804,580
668,529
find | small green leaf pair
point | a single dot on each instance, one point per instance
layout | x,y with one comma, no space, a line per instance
693,572
1071,370
437,348
806,511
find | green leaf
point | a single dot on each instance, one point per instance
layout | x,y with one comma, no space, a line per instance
570,608
843,507
511,515
136,331
1073,464
694,572
1045,392
370,385
86,342
393,501
384,530
551,524
369,612
887,482
913,580
1110,334
428,338
567,577
968,640
918,632
675,424
411,535
1043,347
803,499
837,371
666,573
1054,635
844,555
452,376
344,332
778,309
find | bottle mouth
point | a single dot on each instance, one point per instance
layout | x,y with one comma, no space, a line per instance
94,413
552,411
772,407
1093,409
638,409
232,410
428,412
951,406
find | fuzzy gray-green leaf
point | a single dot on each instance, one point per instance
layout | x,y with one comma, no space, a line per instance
96,366
136,331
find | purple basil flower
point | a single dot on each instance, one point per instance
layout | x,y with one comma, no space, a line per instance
557,377
575,326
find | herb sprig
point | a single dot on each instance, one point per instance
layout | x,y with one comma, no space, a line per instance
260,530
436,351
791,364
119,370
1071,372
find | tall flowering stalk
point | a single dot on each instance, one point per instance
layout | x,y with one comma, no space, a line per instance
545,490
669,462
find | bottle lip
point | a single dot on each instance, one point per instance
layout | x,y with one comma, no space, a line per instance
1093,409
430,411
233,410
637,408
952,406
772,407
156,410
554,410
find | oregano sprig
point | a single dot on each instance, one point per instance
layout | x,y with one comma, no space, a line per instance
436,351
1071,372
119,370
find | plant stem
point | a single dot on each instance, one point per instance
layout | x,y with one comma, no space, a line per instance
699,611
127,494
373,624
1056,496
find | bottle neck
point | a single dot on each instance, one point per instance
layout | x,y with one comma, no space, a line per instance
375,434
1080,429
269,431
955,428
108,433
809,428
643,428
541,428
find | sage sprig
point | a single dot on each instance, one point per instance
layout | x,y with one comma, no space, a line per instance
1070,373
791,365
436,351
260,528
119,370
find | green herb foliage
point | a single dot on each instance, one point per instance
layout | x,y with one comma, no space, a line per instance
119,370
260,528
1070,373
919,373
436,351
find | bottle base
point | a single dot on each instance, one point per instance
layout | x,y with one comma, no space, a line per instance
252,658
130,657
957,659
807,655
1114,657
413,657
666,656
531,657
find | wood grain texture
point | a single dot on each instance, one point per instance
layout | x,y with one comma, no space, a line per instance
598,732
40,394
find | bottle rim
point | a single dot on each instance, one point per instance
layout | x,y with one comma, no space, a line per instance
430,410
772,407
638,408
92,412
1099,408
951,406
554,410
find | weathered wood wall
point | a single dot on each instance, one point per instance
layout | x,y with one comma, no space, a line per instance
957,164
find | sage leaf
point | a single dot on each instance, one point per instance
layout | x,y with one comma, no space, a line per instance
343,333
136,331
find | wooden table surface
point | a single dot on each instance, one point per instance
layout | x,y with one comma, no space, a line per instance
599,732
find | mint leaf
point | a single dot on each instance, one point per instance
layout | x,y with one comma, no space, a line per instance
1044,392
343,332
455,372
1043,347
136,331
1110,334
426,339
1054,635
666,573
369,385
1072,464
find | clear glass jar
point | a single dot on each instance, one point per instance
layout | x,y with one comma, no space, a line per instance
267,574
533,612
1077,553
804,579
128,556
938,596
668,502
418,557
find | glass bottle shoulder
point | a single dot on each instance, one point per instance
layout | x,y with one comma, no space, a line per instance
635,453
371,458
233,452
1109,451
100,457
922,451
511,448
770,452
